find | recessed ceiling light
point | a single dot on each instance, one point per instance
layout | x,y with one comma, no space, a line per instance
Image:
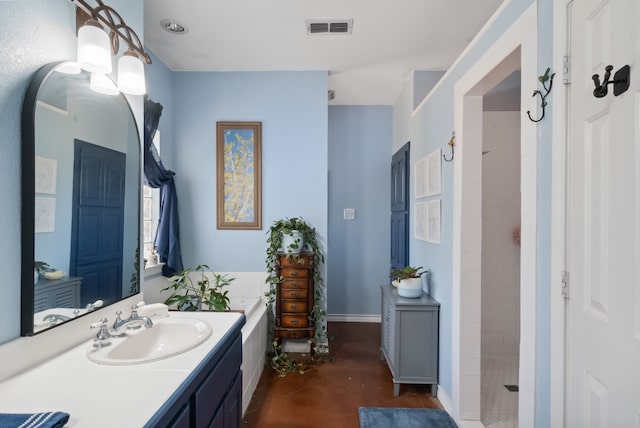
173,26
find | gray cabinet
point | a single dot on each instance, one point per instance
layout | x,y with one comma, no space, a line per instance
409,338
57,293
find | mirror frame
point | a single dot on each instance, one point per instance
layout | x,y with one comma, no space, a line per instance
27,293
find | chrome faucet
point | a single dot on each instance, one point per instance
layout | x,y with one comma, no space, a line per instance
54,319
133,322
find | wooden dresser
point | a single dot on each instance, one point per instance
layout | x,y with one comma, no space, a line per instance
294,297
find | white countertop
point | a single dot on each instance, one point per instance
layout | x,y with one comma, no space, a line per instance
107,396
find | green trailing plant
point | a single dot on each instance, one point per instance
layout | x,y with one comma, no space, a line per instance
206,291
135,284
407,272
283,365
318,315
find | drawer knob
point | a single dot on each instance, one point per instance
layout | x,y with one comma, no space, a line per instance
295,321
294,283
294,273
294,293
294,306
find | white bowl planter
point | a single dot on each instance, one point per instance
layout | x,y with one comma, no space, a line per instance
410,287
293,243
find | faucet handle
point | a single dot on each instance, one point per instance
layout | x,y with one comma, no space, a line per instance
102,338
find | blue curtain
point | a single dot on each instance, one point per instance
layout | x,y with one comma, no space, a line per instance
167,240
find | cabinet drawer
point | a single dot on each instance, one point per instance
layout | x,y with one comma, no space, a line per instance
289,273
295,293
294,321
304,261
295,306
295,283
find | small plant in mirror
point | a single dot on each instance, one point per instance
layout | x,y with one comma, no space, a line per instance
198,288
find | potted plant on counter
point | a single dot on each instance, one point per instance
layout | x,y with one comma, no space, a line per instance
206,291
408,280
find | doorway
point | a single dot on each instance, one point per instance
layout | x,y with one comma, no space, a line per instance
500,254
515,49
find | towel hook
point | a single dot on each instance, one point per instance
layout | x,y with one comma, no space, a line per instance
543,97
451,143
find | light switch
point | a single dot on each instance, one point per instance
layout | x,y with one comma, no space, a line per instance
349,214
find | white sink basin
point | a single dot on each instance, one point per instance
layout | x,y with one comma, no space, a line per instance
168,337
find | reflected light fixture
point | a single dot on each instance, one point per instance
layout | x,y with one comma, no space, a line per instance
97,45
103,84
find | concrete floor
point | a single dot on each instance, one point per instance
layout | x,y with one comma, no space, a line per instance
329,395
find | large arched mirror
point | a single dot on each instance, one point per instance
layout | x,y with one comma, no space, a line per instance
80,197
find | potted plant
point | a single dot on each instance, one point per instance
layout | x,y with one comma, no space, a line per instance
307,241
207,291
408,280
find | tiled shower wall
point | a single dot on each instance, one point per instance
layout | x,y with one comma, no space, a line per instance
500,219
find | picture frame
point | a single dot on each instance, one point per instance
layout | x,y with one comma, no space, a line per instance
433,221
434,173
239,175
420,178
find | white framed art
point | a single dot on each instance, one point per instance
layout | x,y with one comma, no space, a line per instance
433,221
434,173
45,215
46,173
420,221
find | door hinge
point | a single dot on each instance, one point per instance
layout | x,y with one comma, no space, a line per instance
565,284
566,70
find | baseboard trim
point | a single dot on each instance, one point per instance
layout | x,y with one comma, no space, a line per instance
354,318
448,406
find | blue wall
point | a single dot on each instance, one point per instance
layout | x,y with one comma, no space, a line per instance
359,177
429,129
292,107
33,33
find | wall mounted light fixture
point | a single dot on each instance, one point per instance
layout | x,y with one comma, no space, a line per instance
96,46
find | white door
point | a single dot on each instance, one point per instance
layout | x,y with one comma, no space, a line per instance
603,218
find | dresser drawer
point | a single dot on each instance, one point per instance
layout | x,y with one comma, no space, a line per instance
295,283
289,273
295,306
305,261
294,321
294,293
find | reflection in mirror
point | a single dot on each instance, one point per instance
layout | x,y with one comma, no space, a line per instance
81,184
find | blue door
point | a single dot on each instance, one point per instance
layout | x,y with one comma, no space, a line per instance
400,208
98,221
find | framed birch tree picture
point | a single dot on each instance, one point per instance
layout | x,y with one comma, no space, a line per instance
239,175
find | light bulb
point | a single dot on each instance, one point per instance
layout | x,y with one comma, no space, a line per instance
131,74
94,48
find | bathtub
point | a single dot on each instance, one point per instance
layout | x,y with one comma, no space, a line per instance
254,343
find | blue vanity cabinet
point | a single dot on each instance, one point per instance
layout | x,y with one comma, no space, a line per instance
211,396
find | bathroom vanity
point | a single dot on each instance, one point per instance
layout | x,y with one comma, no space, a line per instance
201,387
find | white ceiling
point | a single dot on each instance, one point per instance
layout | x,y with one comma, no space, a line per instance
369,67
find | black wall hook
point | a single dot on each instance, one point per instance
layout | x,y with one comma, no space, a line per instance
451,143
620,82
543,97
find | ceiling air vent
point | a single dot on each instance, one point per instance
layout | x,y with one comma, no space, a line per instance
329,26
